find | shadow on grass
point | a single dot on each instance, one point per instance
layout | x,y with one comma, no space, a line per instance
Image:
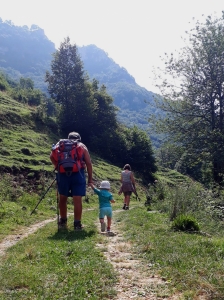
72,235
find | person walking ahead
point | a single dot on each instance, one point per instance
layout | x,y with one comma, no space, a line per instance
70,157
105,200
128,185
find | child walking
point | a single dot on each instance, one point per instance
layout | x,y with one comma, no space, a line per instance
105,200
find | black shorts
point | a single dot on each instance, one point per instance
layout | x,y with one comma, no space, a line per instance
128,193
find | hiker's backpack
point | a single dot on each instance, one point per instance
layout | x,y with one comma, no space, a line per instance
70,156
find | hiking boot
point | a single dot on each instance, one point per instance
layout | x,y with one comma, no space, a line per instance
78,226
103,226
62,224
124,206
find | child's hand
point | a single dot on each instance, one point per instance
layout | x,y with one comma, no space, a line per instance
119,193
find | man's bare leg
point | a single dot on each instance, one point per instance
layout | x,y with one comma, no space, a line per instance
77,200
62,224
63,206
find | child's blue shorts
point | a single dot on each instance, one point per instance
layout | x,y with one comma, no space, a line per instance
105,211
74,185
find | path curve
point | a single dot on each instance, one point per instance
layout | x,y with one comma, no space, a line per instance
12,239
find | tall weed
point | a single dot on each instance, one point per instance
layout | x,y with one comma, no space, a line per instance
189,199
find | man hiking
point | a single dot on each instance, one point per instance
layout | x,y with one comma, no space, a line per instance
70,157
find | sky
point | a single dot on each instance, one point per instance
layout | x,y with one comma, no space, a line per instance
134,33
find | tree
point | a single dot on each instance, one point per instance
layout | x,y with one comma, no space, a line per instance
169,155
193,95
26,83
67,86
140,154
3,83
103,124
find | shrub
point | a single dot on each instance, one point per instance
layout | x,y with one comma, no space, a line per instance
3,83
4,151
185,223
26,151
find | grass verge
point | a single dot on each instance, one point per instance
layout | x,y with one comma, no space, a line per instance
52,265
193,264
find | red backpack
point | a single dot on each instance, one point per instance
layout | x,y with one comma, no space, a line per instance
70,156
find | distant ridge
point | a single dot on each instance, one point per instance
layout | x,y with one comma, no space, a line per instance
25,52
28,52
120,84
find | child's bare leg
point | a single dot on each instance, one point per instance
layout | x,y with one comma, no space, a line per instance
103,226
108,221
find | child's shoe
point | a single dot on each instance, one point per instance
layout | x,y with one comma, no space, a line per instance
108,229
103,226
124,207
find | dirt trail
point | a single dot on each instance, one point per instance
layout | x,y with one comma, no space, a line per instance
12,239
136,281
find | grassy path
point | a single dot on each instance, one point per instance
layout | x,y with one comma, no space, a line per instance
134,280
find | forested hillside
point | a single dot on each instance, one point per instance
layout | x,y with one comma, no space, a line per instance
127,94
27,52
135,103
75,104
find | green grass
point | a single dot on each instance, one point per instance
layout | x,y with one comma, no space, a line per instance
46,263
25,141
171,177
192,263
52,265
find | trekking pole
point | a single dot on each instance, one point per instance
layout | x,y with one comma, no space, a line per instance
57,210
43,196
137,197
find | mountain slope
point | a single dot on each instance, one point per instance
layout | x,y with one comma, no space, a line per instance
28,52
25,52
127,94
135,103
24,139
